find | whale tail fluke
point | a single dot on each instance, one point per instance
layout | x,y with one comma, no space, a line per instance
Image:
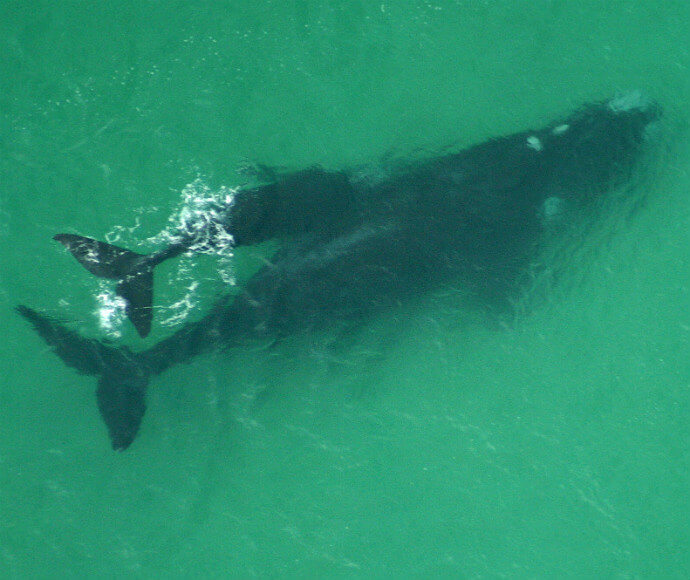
123,374
133,271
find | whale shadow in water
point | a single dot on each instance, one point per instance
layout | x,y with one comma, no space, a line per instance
360,241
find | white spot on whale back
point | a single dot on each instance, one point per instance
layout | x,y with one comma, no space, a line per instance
552,210
533,142
624,102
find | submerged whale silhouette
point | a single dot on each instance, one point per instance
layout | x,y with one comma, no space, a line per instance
355,242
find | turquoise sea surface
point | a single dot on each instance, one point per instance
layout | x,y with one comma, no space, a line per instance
429,444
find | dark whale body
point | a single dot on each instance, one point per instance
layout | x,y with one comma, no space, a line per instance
355,242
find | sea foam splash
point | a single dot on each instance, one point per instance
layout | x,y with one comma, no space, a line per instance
199,215
110,311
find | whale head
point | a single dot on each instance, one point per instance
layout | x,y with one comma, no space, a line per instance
599,145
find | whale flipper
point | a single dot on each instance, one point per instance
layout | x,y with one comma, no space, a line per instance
123,376
134,272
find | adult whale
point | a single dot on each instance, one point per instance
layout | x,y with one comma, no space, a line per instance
354,242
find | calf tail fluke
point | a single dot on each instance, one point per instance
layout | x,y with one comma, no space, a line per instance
122,375
133,271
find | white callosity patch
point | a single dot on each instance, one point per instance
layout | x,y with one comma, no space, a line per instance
552,210
624,102
560,129
533,142
652,131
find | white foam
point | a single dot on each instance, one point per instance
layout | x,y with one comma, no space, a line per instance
200,215
110,312
180,310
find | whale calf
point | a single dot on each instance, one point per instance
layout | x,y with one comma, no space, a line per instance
355,242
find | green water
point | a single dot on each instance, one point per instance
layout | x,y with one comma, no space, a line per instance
429,445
